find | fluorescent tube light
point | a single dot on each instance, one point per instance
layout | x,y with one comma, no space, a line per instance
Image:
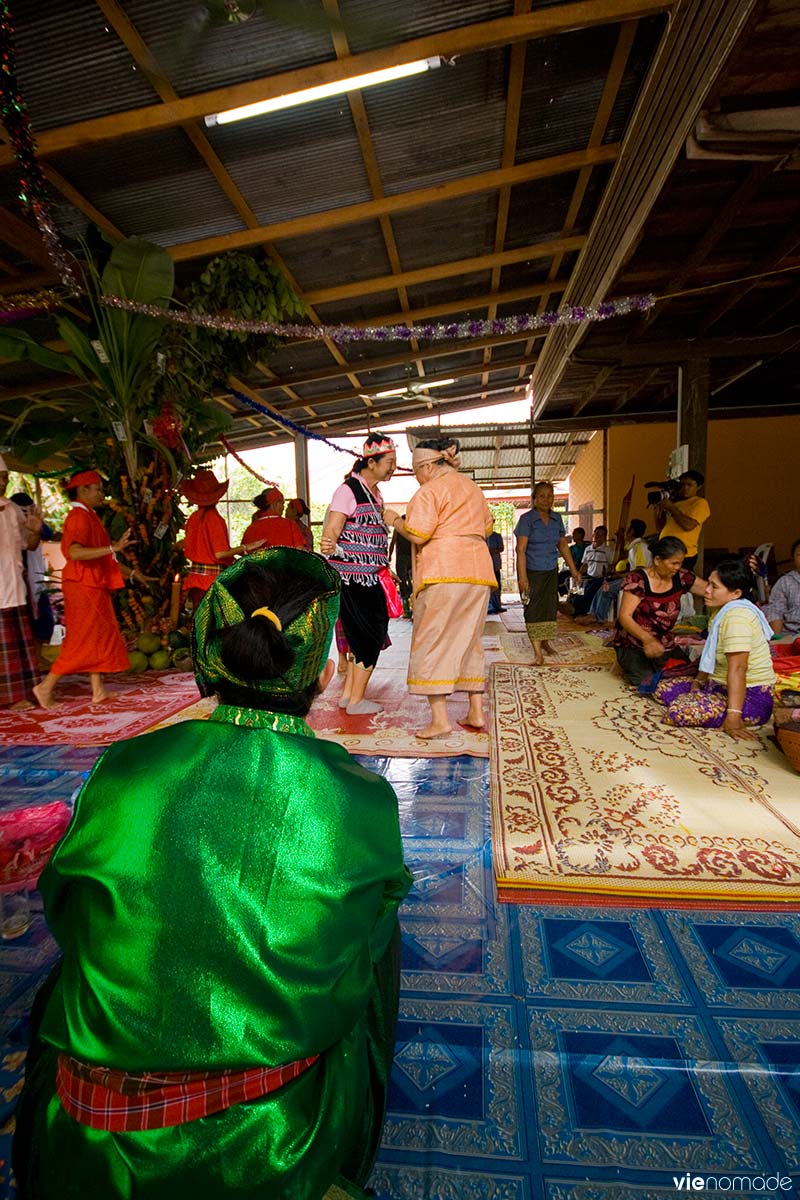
418,386
308,95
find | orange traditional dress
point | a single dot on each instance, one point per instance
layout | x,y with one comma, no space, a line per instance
205,534
275,531
92,641
453,575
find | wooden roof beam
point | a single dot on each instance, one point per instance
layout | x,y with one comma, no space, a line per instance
439,350
445,270
453,373
616,74
468,39
141,54
368,210
462,305
516,78
696,44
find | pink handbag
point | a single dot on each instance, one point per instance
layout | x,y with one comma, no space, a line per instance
394,601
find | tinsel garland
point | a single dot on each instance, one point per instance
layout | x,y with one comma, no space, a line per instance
288,424
429,332
230,450
32,190
19,305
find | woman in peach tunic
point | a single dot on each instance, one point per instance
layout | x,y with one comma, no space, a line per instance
447,522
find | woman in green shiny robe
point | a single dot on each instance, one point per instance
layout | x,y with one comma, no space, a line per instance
226,897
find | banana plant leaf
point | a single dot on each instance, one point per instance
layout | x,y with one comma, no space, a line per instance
20,347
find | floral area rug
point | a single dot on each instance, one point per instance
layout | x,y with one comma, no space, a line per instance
135,703
570,650
592,794
391,732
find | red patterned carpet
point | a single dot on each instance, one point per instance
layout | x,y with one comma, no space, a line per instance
593,795
136,703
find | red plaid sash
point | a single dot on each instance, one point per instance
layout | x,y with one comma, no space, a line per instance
117,1100
212,569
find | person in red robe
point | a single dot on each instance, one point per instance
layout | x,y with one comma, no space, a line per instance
269,527
297,510
205,541
92,644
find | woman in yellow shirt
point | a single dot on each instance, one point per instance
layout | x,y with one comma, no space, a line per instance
734,686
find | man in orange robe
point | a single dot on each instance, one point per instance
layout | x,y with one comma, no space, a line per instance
205,540
269,528
92,643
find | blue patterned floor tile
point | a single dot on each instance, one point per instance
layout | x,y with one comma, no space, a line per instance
597,955
392,1182
431,821
741,960
456,956
767,1052
449,885
23,787
455,1086
634,1090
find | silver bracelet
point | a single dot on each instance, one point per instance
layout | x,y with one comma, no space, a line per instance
736,710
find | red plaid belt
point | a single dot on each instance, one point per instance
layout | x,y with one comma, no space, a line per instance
117,1100
205,569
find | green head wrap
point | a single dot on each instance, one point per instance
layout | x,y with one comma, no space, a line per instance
309,632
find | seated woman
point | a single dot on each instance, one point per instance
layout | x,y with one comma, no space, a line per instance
649,609
226,900
734,686
783,610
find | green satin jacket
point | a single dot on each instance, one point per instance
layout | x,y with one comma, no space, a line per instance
226,896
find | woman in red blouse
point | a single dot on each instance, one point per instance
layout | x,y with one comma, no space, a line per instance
650,607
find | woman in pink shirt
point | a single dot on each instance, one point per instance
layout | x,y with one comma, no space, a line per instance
447,521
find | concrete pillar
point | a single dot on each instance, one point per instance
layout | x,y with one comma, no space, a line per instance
301,467
693,422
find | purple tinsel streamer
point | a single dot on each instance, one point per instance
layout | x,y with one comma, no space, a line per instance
289,424
343,334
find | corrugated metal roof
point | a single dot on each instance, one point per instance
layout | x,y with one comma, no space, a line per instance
298,161
372,23
199,54
466,226
95,76
142,184
500,455
321,260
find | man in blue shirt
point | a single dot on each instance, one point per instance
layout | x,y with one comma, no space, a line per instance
541,537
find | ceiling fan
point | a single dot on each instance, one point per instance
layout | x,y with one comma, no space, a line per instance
412,390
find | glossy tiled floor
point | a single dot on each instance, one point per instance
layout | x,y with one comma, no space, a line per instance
542,1053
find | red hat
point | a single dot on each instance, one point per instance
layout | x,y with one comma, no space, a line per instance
84,479
269,496
204,489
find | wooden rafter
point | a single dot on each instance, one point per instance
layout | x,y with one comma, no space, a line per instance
439,350
616,74
516,78
446,270
468,39
351,214
457,373
141,54
693,50
463,304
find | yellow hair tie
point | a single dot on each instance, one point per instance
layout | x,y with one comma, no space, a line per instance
270,615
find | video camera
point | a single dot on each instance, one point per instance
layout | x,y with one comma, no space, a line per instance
668,489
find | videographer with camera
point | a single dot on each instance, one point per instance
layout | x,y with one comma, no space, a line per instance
684,515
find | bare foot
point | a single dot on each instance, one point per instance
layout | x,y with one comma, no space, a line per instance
538,660
43,698
99,697
21,706
433,732
548,647
363,708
